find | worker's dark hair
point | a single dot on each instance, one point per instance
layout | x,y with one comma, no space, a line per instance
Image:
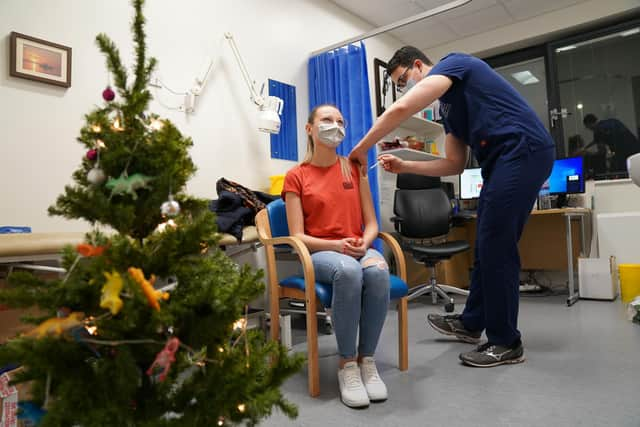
589,119
405,57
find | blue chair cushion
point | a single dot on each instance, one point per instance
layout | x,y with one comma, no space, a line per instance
324,292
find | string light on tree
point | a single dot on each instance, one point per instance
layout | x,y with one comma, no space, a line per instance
167,224
117,125
156,124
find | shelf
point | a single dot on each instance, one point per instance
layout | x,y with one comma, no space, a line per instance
410,154
422,126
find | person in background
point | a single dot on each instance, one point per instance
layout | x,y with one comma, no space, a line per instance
330,208
595,158
613,134
481,110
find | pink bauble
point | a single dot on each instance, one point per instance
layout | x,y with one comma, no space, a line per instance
108,94
92,154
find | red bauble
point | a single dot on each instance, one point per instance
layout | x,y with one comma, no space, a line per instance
108,94
92,154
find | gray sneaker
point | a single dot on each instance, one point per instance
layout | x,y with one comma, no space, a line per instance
489,355
452,325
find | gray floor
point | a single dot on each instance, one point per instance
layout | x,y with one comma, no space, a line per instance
582,369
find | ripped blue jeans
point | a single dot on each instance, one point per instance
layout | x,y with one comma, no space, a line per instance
360,298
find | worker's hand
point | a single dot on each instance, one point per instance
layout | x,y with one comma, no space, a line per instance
391,163
359,156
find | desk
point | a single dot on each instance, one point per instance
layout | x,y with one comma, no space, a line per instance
547,242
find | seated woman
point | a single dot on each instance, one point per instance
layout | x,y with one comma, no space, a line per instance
329,207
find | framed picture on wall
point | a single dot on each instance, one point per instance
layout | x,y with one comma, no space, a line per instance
39,60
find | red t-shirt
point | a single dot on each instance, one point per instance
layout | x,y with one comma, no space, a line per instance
330,204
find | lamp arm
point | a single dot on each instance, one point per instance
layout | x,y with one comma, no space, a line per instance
255,97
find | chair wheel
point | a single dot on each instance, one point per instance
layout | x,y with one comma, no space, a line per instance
327,328
448,307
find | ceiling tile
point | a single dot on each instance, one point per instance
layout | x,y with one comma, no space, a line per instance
468,8
525,9
425,33
479,21
383,12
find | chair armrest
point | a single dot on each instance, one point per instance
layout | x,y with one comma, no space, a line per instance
397,253
303,253
396,219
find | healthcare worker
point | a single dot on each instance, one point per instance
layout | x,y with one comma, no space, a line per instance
481,110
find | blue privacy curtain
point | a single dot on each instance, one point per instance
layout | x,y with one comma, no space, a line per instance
340,77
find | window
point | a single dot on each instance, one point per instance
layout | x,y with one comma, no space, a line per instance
598,81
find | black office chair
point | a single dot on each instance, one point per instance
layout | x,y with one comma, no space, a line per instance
422,221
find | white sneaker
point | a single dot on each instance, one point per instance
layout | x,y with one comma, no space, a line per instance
376,390
352,390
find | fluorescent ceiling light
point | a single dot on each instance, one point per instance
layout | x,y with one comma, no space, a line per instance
525,77
565,48
630,32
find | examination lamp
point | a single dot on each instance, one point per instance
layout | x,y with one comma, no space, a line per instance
269,107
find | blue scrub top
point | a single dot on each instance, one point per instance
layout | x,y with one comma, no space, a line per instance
485,111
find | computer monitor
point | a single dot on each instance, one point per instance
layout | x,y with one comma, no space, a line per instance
470,183
567,176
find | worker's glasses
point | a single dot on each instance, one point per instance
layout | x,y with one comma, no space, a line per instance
402,81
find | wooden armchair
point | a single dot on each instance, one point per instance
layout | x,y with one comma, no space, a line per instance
273,231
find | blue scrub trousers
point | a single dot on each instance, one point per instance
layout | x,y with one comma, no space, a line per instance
512,180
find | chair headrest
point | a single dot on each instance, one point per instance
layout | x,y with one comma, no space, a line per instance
408,181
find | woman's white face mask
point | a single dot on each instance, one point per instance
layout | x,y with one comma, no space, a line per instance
331,134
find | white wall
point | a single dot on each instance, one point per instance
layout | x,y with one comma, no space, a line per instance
40,122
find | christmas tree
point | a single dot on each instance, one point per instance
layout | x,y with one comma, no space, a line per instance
148,325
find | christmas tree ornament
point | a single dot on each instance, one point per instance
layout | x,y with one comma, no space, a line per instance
100,144
160,367
92,154
147,287
110,298
170,207
57,325
96,176
108,94
88,250
128,184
